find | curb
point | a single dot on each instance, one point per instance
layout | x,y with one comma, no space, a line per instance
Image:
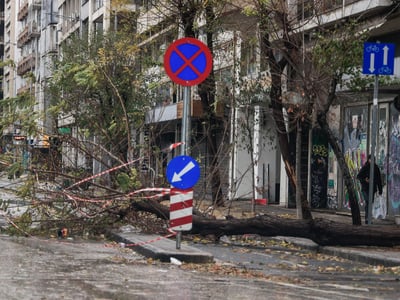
162,249
384,257
371,258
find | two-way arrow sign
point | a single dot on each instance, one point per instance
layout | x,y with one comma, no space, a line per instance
378,59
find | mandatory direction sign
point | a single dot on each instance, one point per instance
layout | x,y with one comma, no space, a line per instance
183,172
378,59
188,61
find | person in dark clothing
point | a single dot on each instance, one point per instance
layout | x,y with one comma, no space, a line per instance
363,176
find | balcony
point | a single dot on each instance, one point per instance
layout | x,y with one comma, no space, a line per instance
23,11
26,64
23,37
196,109
169,112
331,11
33,30
152,17
30,31
36,4
162,113
26,89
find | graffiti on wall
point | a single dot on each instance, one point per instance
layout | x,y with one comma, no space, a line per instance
393,170
319,169
355,146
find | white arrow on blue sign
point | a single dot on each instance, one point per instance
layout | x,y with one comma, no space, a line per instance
183,172
378,59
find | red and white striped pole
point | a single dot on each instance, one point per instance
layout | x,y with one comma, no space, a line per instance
181,208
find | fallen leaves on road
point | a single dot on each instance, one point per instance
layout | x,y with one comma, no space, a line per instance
380,270
230,270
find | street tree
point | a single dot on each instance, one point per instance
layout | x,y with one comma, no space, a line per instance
101,90
316,67
103,94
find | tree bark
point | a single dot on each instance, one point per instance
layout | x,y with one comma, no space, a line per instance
277,113
321,231
348,181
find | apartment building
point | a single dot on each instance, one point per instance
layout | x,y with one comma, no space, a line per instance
9,79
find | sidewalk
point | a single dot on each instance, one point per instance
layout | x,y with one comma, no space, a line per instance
164,249
385,256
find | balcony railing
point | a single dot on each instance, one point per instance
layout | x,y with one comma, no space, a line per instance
36,4
26,89
26,64
23,11
23,37
30,31
174,111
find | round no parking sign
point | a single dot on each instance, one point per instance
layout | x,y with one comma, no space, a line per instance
188,61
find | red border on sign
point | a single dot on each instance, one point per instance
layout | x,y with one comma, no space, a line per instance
203,49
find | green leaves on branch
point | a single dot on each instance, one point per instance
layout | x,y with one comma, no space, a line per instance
128,182
336,51
85,75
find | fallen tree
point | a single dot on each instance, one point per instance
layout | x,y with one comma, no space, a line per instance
323,232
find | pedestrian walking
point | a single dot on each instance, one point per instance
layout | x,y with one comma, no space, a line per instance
363,176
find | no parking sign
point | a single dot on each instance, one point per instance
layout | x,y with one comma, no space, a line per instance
188,61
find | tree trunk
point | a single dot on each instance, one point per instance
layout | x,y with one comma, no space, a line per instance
323,232
355,209
276,70
277,112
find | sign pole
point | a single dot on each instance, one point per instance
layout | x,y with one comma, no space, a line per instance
185,137
373,144
187,62
378,59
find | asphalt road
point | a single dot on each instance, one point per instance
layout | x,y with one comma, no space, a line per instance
33,268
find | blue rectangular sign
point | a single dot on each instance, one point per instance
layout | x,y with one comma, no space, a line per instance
378,59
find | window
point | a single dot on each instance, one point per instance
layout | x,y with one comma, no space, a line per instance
305,9
249,57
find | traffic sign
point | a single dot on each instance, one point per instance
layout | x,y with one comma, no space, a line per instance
181,209
378,59
188,61
183,172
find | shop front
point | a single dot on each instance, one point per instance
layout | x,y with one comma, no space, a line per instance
354,133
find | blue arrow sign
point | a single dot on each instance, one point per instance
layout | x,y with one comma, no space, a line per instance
378,59
183,172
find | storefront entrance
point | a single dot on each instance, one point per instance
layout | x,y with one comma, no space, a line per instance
356,133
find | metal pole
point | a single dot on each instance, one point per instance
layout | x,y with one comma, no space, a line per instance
298,171
186,128
373,143
185,137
